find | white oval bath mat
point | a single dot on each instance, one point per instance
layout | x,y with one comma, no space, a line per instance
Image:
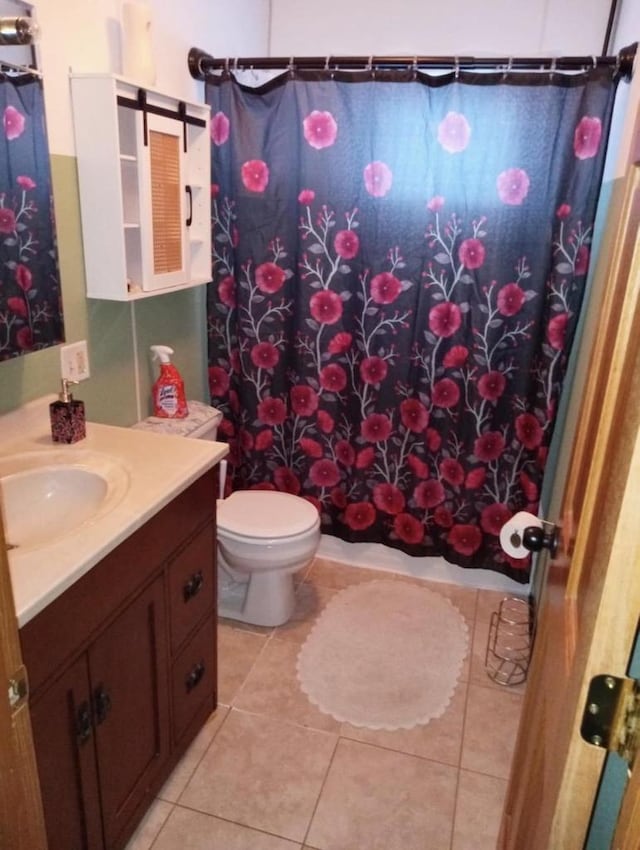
384,655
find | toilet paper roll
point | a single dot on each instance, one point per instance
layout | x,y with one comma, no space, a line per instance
512,531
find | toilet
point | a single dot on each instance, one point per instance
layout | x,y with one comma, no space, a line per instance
264,536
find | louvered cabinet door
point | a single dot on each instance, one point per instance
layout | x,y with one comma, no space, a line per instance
166,199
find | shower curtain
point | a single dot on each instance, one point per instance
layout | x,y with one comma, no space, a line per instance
30,298
399,262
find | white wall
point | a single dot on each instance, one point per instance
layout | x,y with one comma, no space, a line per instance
84,35
626,32
438,27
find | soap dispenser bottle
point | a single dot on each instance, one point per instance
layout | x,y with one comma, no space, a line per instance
68,424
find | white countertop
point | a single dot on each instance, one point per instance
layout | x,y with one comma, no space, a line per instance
158,468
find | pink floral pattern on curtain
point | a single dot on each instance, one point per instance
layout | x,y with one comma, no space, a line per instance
398,270
30,299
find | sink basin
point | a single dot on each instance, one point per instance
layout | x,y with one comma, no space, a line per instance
49,495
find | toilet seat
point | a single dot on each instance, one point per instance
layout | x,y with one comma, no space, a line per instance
265,514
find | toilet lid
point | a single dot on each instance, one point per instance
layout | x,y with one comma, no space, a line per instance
266,513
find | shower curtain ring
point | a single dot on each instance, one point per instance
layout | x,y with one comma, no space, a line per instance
553,67
370,64
510,64
226,65
326,63
414,67
235,64
456,64
292,67
595,62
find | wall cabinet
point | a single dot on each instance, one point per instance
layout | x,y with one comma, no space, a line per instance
122,670
144,174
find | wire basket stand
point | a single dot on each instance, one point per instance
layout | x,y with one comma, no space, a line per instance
510,641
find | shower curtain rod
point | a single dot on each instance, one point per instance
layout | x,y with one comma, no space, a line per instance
22,69
201,63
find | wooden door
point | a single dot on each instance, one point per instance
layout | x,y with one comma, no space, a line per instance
591,599
21,819
129,691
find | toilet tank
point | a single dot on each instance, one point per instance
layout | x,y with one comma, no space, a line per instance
201,423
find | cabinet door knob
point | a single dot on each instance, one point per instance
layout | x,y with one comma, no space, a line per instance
195,676
102,703
83,722
193,586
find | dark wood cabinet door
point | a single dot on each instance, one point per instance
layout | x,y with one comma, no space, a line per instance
64,740
129,693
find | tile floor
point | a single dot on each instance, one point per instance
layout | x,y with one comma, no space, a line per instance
270,772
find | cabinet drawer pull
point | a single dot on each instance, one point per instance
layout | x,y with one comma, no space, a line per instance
190,196
195,676
102,704
83,722
193,586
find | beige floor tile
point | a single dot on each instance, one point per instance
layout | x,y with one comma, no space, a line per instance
490,728
189,830
381,800
264,631
479,807
262,773
237,653
150,826
272,689
439,740
176,783
310,600
337,576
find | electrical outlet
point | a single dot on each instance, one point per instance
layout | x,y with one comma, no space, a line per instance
74,361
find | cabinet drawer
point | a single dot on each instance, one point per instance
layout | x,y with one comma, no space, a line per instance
193,680
192,585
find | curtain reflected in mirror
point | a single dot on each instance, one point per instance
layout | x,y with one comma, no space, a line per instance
31,315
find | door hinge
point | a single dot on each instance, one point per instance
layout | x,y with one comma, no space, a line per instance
18,689
611,718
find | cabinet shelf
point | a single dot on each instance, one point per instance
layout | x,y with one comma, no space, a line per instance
130,157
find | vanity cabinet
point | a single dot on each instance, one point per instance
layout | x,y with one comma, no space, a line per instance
122,670
144,174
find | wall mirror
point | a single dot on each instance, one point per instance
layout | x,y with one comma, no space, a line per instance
30,300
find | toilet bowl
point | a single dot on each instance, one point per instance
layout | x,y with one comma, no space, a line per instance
264,536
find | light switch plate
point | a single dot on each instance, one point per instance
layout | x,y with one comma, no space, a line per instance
74,361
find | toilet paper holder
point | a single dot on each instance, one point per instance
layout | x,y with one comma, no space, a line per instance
536,539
